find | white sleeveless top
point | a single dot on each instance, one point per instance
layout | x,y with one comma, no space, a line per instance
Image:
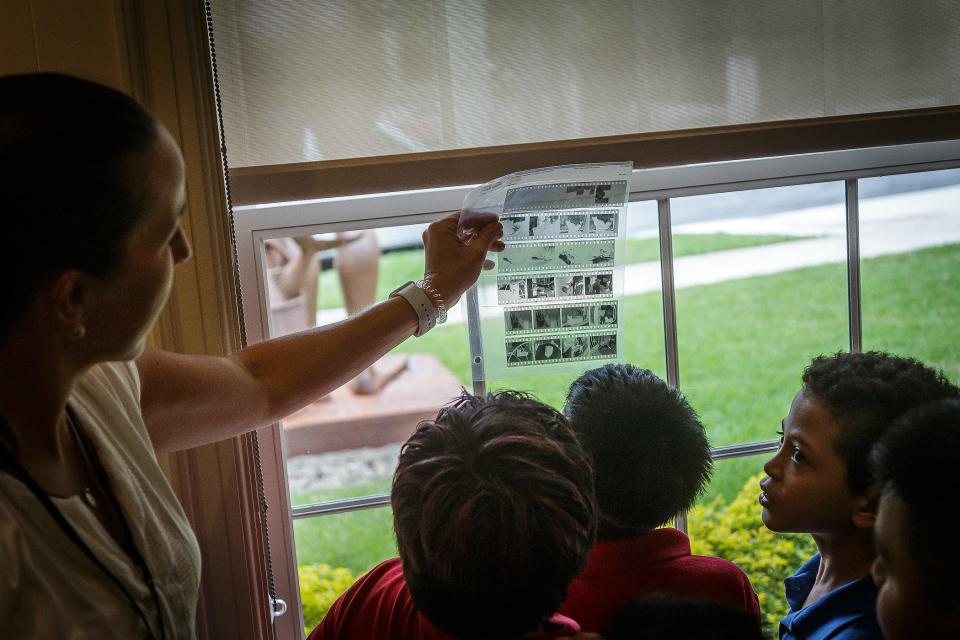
49,588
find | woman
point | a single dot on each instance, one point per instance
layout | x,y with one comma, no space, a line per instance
93,542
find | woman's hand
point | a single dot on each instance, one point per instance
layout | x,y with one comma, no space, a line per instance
455,256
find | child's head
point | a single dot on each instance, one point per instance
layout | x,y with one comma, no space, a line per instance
494,513
916,568
665,617
819,480
650,454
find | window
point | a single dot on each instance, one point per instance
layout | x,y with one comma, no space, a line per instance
744,327
741,270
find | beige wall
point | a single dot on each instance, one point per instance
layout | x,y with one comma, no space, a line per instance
83,38
156,51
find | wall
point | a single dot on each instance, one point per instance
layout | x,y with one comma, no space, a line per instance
156,51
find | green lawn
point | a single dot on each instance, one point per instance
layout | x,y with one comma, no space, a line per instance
356,540
398,267
743,345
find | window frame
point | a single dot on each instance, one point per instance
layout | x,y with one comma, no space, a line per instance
255,223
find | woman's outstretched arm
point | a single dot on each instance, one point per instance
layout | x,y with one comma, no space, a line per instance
189,401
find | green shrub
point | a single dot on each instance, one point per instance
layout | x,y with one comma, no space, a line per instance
734,531
320,586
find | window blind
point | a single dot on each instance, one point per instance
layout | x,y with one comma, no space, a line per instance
343,92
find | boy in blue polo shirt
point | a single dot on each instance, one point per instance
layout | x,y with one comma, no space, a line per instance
819,483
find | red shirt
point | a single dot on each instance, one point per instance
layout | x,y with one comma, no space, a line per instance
379,605
622,570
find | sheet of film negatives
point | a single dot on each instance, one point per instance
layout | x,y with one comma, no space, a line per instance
561,225
563,317
586,285
520,257
555,349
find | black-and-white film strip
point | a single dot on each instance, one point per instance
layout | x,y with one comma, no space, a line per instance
550,286
565,195
566,317
551,256
554,349
561,225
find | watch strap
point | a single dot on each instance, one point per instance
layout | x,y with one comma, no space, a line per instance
421,303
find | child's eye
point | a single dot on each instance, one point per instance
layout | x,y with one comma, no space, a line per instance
797,456
780,433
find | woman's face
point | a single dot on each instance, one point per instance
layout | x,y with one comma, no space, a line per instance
126,304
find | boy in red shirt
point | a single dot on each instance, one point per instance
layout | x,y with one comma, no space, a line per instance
651,460
494,512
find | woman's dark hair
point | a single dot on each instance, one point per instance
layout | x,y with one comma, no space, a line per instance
650,453
914,460
866,392
666,617
68,199
494,513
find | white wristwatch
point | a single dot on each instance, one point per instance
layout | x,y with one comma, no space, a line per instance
422,303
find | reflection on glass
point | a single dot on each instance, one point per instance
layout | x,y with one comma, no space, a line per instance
761,289
334,551
726,523
642,311
910,268
346,445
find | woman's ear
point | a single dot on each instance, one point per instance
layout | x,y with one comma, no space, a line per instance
68,295
866,506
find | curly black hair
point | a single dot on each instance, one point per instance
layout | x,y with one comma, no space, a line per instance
915,461
494,514
866,392
650,451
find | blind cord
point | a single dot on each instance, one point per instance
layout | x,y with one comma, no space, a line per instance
258,467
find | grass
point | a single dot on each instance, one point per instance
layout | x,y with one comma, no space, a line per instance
356,540
743,345
398,267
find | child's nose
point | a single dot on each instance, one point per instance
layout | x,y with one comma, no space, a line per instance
770,467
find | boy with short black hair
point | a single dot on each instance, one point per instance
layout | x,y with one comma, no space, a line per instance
651,460
494,512
819,483
916,569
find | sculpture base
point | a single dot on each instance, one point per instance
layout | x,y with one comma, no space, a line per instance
345,420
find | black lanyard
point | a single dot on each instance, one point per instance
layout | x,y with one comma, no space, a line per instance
11,464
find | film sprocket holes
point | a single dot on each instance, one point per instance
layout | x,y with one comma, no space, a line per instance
559,280
549,319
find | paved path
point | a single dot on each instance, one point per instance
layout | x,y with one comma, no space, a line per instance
899,223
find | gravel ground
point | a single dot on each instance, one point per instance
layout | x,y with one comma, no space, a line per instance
341,468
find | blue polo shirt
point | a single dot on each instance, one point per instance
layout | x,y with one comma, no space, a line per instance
846,613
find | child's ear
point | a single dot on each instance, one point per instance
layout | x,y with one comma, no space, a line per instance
865,509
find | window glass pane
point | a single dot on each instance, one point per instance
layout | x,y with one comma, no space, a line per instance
910,266
726,523
346,445
304,81
642,310
767,295
333,551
